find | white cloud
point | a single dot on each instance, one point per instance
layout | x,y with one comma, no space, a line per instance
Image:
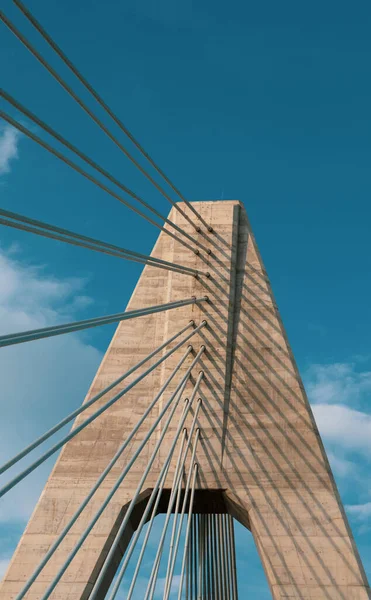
349,429
29,298
8,147
341,466
339,394
42,381
160,588
340,383
361,512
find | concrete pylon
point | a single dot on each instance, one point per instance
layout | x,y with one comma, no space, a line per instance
260,449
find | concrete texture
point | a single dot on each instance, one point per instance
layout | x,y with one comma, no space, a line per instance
259,445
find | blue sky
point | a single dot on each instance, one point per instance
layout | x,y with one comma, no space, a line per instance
265,102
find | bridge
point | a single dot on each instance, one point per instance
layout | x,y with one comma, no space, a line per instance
197,412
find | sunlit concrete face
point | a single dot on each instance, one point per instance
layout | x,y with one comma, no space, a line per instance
259,444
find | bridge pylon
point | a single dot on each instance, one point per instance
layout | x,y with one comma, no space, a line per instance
230,434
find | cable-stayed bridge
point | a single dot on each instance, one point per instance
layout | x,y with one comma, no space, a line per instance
197,412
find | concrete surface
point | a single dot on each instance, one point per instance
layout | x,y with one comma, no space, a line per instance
259,443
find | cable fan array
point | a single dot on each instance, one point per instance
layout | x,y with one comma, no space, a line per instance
198,549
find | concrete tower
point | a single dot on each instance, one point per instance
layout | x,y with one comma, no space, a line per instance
260,455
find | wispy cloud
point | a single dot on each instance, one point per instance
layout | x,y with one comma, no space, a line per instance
341,466
360,515
41,381
9,138
361,512
341,383
339,394
349,429
160,589
31,297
